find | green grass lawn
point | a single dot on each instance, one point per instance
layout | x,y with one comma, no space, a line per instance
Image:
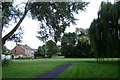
91,70
81,68
28,68
0,71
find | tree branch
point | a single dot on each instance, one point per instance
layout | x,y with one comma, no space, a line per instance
7,36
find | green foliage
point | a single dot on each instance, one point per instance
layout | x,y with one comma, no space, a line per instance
40,50
69,39
83,47
9,13
76,44
104,32
5,52
17,36
5,62
67,43
52,48
54,17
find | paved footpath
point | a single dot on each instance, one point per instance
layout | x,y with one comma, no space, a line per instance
54,73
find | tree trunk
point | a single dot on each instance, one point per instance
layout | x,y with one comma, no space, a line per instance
7,36
0,34
0,37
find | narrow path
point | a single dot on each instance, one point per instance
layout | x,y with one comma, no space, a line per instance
54,73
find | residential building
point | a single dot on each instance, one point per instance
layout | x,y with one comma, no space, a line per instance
20,51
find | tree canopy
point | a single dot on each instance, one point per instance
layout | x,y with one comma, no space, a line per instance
10,13
52,48
104,31
76,44
49,48
54,17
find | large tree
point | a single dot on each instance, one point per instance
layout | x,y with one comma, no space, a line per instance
40,51
52,48
54,17
104,31
68,43
12,13
76,44
49,48
83,46
0,29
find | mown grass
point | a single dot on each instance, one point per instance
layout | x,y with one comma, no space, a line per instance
85,69
81,68
28,68
0,71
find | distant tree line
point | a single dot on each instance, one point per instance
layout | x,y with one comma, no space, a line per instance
74,45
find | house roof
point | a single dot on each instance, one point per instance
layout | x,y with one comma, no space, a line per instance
25,47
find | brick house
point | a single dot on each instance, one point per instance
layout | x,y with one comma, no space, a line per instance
22,51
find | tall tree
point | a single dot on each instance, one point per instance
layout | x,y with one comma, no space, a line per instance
0,29
52,48
83,47
11,13
76,44
40,51
54,17
57,16
68,43
104,31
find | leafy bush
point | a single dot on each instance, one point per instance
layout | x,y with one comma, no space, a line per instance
5,62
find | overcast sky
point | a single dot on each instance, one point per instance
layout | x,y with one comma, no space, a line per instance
30,26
